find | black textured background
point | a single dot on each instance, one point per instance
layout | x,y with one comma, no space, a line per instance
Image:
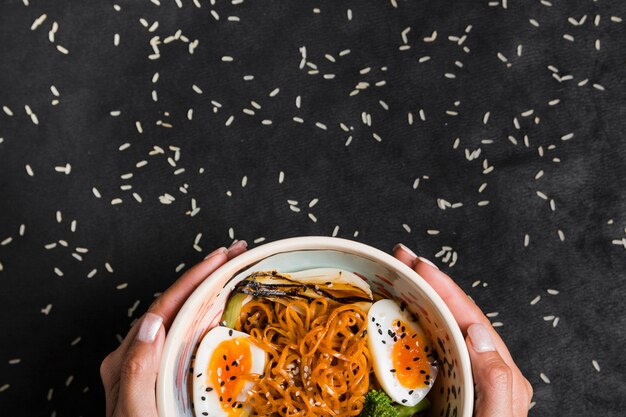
367,186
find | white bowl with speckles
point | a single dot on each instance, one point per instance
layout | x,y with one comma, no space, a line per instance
453,392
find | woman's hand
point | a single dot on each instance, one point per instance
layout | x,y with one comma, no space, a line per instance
129,373
501,389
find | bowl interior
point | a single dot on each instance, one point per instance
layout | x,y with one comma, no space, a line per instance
450,395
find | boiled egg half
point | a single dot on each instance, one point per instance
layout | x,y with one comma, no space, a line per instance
403,358
226,363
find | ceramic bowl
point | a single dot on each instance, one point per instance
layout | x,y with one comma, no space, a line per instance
452,394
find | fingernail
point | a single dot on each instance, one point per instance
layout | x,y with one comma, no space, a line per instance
481,338
216,252
426,261
149,327
237,245
400,246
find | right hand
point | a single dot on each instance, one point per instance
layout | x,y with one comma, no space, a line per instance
501,389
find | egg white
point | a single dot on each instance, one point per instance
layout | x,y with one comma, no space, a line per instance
208,402
381,317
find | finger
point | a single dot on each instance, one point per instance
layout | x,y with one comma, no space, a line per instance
492,376
404,254
465,313
110,370
522,397
463,309
237,248
112,359
229,253
139,369
110,383
168,303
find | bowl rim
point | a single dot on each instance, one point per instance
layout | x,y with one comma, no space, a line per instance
310,243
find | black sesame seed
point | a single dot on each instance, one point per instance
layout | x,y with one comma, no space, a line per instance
209,389
224,357
222,383
199,375
230,332
422,372
373,319
408,368
204,413
234,363
232,378
239,405
392,370
227,368
411,392
229,399
403,401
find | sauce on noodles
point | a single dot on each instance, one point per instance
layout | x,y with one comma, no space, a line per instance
318,363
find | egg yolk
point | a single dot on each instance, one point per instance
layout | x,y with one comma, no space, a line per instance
410,357
229,366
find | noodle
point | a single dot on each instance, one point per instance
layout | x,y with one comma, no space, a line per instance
318,363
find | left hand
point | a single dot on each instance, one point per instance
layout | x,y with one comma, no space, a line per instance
129,373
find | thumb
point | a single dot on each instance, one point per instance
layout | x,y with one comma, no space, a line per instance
139,369
492,376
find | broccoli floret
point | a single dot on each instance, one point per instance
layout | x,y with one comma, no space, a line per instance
378,404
